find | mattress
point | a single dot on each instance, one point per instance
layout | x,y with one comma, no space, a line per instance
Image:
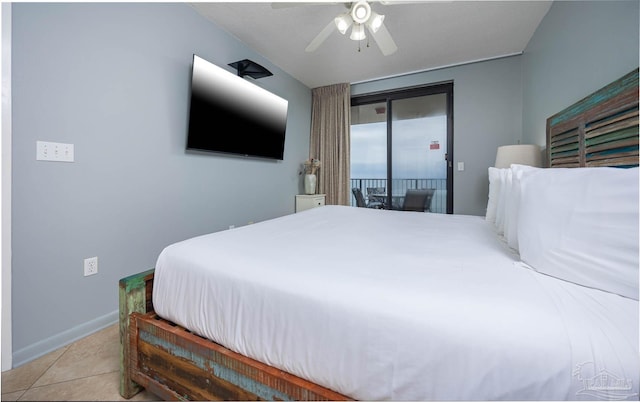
379,304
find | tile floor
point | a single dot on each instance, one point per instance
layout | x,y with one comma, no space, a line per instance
86,370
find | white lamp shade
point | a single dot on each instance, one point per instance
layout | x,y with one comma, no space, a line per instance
522,154
343,22
357,32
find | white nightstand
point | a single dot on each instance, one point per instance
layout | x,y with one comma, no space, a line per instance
309,201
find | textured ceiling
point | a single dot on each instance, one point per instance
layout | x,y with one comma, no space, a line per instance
429,34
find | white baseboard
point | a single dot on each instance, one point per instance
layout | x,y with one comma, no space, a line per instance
41,348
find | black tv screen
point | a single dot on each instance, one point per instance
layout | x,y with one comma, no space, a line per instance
231,115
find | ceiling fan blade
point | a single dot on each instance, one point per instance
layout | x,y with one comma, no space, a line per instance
322,36
384,40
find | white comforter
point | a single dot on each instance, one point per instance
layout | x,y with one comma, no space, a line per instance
397,305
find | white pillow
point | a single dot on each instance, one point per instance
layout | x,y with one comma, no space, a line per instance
494,192
581,225
505,187
508,199
513,203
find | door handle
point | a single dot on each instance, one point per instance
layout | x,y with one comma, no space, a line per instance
446,158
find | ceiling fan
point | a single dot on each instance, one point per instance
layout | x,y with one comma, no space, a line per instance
360,15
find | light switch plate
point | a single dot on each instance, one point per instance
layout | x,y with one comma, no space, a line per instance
54,151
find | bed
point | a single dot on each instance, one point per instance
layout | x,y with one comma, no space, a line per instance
339,303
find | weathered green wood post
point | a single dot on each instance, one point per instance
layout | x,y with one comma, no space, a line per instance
134,297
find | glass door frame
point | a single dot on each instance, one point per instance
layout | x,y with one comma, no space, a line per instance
411,92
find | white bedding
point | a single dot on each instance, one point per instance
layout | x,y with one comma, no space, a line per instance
380,304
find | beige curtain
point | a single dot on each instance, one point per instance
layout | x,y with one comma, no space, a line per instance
330,141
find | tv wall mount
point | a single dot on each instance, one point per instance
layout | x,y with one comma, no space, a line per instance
251,68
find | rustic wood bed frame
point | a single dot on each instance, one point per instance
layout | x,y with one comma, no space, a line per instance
599,130
175,364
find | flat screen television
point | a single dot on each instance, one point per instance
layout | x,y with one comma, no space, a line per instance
231,115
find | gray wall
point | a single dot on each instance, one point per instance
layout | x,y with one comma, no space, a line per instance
487,112
579,47
113,79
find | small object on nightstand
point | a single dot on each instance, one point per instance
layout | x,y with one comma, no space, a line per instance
305,201
310,183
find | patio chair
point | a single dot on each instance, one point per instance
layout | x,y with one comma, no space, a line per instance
418,200
360,201
377,197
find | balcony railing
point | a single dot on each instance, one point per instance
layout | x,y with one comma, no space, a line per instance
400,187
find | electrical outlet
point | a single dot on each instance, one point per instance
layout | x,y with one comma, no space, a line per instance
90,266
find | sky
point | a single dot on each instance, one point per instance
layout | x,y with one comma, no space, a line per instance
419,147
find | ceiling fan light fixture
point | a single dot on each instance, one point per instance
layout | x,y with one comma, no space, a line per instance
360,12
343,22
357,32
375,22
359,16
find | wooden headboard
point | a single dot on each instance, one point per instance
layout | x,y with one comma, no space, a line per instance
599,130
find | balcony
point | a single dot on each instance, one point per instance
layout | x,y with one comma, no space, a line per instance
400,187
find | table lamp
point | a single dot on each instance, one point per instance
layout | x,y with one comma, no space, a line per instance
522,154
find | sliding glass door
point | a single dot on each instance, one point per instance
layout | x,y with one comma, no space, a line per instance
401,146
